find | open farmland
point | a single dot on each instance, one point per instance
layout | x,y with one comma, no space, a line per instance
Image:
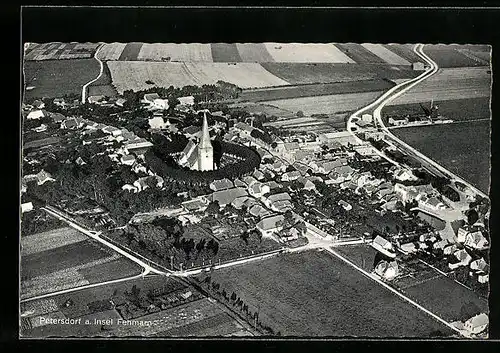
327,104
385,54
449,56
52,239
55,78
254,52
176,52
303,73
307,53
133,75
103,86
321,89
315,294
130,51
452,83
405,51
225,52
60,51
359,54
111,51
258,108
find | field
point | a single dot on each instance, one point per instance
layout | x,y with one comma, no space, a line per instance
59,51
133,75
359,54
437,293
41,142
320,89
385,54
63,258
176,52
456,83
449,56
257,108
254,52
56,78
307,53
455,109
462,148
303,73
405,51
130,51
111,51
327,104
103,86
315,294
225,52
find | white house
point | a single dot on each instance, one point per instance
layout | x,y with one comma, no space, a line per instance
188,100
384,246
269,225
463,258
129,187
476,240
477,324
26,207
127,159
259,189
35,115
159,103
290,176
398,121
156,122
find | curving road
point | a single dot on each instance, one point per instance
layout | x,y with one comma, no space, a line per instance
101,70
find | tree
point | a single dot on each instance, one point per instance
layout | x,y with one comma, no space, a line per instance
300,114
472,216
213,207
244,236
233,296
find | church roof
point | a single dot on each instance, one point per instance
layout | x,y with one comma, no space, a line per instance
205,136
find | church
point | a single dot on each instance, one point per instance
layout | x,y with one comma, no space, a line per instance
199,155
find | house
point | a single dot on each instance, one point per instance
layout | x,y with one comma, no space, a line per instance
129,187
479,265
239,202
156,122
387,270
221,184
80,161
281,206
150,97
404,175
398,121
120,102
239,183
225,197
279,166
59,102
249,180
291,234
450,249
273,185
95,99
463,258
41,177
259,211
26,207
35,115
138,146
277,197
290,176
363,149
186,101
258,189
111,130
40,128
409,248
367,118
384,246
308,185
186,295
244,128
159,103
345,205
196,204
57,117
70,123
477,324
141,184
483,277
476,240
38,104
440,244
127,159
269,225
258,175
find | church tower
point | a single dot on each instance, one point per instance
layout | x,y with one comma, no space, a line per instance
205,149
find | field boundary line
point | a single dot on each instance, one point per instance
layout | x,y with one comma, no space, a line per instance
415,304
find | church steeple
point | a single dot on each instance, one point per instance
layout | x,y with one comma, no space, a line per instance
205,135
205,149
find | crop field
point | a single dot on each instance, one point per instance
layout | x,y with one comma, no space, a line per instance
449,56
319,89
254,52
225,52
176,52
41,142
133,75
258,108
111,51
405,51
103,86
446,84
315,294
327,104
52,239
361,255
119,268
446,298
385,54
307,53
359,54
130,52
304,73
55,78
60,51
466,151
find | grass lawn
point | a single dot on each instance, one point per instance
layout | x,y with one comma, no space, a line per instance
119,268
315,294
55,78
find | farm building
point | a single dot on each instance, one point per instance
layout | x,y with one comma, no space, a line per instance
269,225
26,207
384,246
477,324
225,197
188,100
221,184
35,115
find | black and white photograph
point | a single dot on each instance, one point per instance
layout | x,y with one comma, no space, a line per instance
255,189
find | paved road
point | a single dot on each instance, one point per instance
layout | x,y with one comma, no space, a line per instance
101,70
